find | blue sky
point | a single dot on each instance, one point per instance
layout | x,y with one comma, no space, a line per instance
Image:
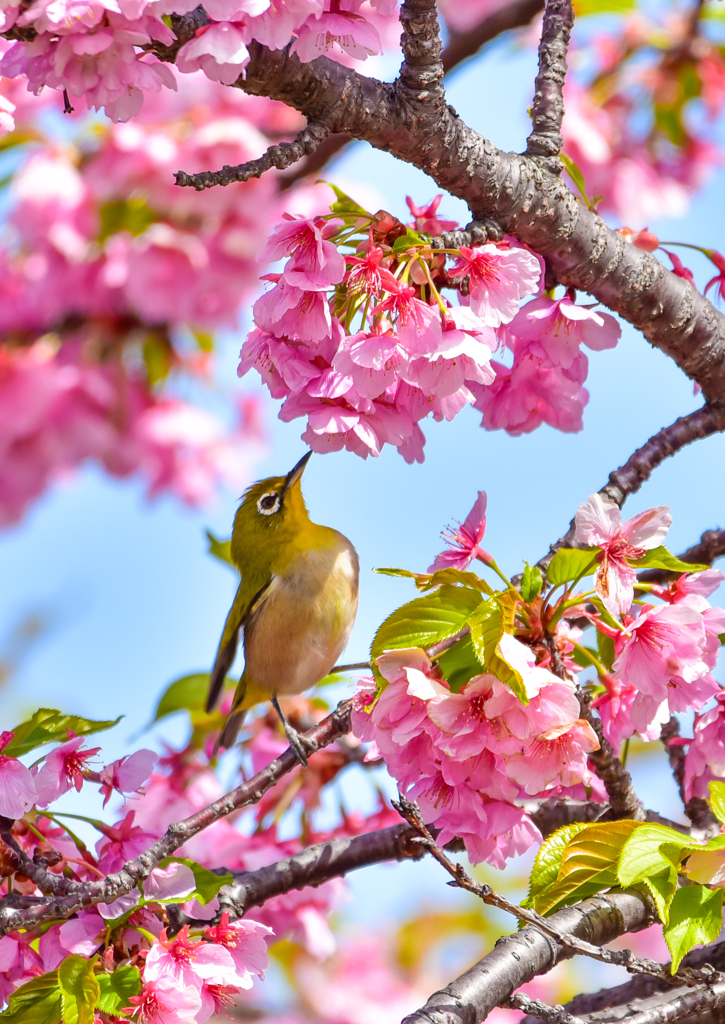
133,601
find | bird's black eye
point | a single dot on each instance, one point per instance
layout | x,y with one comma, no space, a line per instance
269,503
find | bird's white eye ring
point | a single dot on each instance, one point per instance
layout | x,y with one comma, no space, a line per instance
268,504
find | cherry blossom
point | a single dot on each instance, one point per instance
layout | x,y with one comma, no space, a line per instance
219,50
599,523
464,542
63,768
128,774
560,326
165,1002
499,278
17,786
350,32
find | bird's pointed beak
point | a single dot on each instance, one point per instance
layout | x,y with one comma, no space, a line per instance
294,474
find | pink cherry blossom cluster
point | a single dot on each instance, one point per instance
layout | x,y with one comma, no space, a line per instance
355,334
134,274
466,757
471,752
100,52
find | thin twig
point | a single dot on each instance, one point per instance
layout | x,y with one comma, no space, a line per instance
542,1011
118,884
548,106
280,156
622,958
475,233
48,883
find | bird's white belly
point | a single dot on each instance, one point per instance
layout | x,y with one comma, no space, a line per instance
305,622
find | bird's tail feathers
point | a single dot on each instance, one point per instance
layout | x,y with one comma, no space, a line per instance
227,737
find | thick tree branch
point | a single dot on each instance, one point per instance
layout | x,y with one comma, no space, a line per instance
641,464
547,111
280,156
108,889
684,1005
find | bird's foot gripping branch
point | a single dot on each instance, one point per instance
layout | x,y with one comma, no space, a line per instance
504,712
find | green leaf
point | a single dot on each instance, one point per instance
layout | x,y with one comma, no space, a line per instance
344,206
132,215
186,694
410,240
116,989
661,558
79,989
531,583
717,800
38,1001
588,864
48,725
662,887
547,862
425,621
158,357
574,171
459,664
650,850
207,882
695,918
204,340
570,563
605,647
221,549
487,627
426,581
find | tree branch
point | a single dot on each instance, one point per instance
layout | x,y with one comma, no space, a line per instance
641,464
540,1011
681,1006
696,809
280,156
548,107
462,45
108,889
643,990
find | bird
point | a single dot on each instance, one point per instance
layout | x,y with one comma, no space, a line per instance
295,606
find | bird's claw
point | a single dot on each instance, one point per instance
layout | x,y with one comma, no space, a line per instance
298,743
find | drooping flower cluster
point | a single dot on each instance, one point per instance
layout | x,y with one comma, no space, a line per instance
356,335
466,757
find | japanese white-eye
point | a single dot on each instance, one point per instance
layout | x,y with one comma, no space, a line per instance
295,605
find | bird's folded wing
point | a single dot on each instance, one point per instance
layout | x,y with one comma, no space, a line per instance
243,605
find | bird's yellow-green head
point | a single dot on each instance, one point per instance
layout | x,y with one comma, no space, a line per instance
272,513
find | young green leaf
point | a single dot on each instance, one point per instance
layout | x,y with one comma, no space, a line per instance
605,647
410,240
117,988
650,850
79,989
588,864
426,581
207,882
661,558
570,563
38,1001
487,628
695,918
531,583
717,800
48,725
221,549
548,861
662,887
344,206
459,664
423,622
